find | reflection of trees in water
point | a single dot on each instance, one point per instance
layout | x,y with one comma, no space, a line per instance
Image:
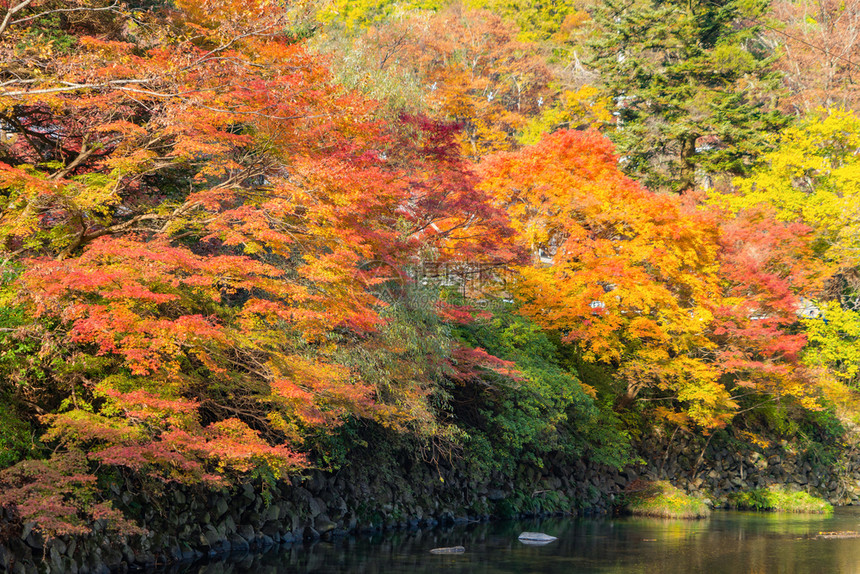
727,543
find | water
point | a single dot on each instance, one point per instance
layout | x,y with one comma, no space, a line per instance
726,543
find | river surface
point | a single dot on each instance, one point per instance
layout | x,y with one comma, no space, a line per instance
726,543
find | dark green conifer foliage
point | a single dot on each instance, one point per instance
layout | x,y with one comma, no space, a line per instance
693,86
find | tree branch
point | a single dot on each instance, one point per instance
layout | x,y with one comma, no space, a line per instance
11,12
57,10
81,158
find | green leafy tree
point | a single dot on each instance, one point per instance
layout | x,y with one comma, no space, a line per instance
541,409
692,84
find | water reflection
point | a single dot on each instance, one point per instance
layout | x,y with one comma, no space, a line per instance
727,543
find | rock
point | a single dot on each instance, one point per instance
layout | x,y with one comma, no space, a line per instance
228,525
55,560
272,513
173,553
448,550
246,531
311,534
179,496
238,543
323,525
273,529
536,538
316,507
145,559
5,558
59,545
35,540
838,535
220,508
316,483
216,544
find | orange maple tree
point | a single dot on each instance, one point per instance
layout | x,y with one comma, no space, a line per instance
647,282
192,205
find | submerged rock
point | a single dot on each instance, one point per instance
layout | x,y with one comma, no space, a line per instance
448,550
838,534
536,538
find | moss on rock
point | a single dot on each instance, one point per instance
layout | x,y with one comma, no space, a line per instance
661,499
779,499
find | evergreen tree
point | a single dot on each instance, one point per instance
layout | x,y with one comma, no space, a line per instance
692,83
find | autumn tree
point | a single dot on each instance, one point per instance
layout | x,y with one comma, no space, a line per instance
194,219
537,21
94,213
362,14
820,51
582,108
692,86
767,269
686,308
619,271
810,180
465,66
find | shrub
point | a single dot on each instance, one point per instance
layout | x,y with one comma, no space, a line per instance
15,439
663,500
779,499
547,410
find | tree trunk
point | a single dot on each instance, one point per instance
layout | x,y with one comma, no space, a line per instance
687,177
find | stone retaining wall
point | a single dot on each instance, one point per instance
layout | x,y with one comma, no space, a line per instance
375,494
371,495
725,469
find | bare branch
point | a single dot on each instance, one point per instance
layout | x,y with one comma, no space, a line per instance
112,7
70,87
226,45
11,12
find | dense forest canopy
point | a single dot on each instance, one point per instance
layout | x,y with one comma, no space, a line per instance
238,238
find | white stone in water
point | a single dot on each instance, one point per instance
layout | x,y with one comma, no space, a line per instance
448,550
536,538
